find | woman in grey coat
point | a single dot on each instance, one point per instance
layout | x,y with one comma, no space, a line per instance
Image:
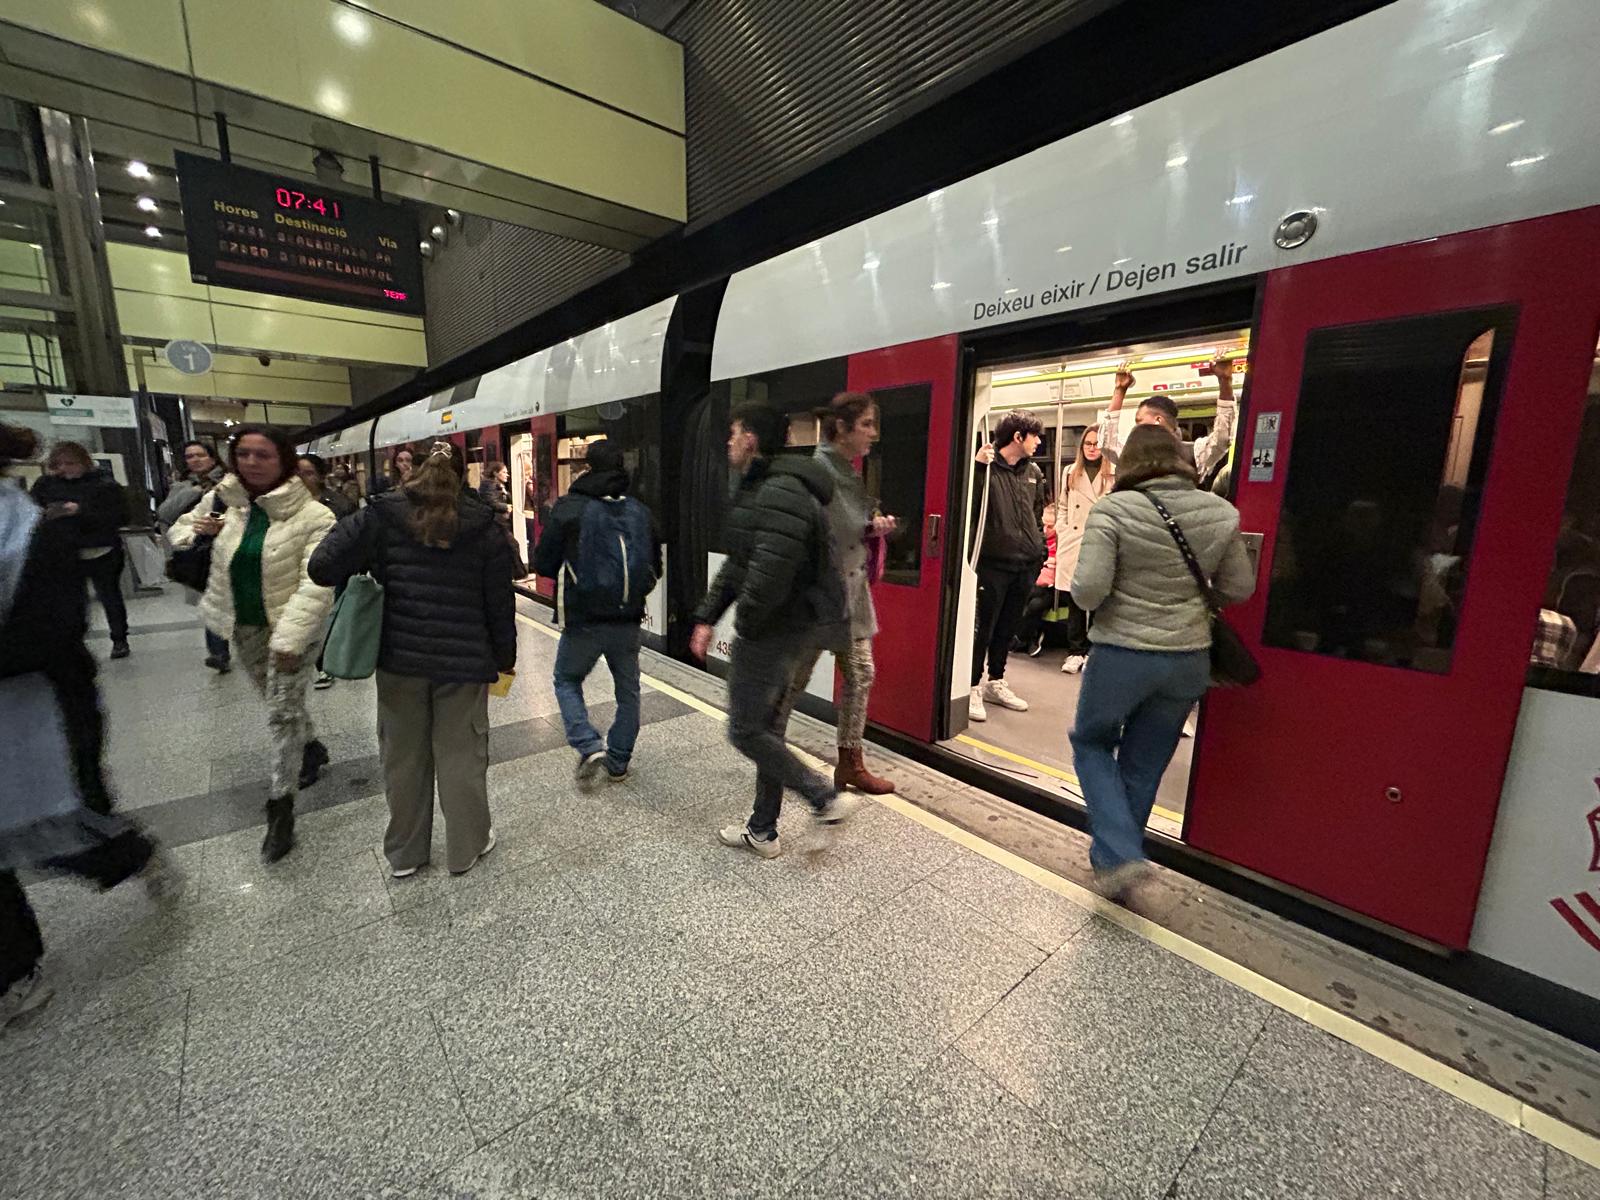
1151,639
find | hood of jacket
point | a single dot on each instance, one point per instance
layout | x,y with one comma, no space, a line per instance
601,483
811,471
393,508
282,502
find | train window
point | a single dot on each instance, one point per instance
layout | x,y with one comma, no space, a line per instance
1392,433
1565,653
896,475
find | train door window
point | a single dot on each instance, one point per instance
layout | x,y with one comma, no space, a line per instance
1565,653
896,475
1392,433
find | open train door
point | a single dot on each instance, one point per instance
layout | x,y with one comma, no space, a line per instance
908,473
1412,412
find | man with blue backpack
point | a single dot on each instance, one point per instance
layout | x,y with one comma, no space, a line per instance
602,549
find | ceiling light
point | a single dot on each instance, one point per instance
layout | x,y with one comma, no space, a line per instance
1508,126
1122,120
150,231
1012,291
1527,161
941,285
1177,160
138,170
352,27
1062,249
1487,60
870,263
1119,262
1244,199
145,204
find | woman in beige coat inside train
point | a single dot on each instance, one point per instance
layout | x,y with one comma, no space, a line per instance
1082,485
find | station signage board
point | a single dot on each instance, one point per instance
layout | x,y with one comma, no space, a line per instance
262,232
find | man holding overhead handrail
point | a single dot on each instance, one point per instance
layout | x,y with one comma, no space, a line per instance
1209,453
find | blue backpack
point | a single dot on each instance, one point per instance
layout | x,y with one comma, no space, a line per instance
615,566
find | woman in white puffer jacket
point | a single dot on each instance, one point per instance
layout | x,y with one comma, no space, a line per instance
259,594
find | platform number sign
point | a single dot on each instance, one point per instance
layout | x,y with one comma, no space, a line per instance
187,357
1264,452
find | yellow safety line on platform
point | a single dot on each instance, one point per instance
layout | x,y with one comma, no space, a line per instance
1053,772
1552,1131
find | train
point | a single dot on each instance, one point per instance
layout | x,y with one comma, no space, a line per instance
1393,227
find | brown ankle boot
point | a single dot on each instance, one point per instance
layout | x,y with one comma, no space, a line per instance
852,772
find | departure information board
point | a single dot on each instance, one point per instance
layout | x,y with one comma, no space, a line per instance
265,233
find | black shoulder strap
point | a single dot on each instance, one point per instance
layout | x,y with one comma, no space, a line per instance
1176,531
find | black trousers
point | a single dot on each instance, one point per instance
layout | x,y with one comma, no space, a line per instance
104,575
1003,591
73,677
104,864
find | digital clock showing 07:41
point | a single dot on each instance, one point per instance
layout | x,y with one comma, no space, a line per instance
299,201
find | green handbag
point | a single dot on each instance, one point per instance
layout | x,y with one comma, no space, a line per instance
351,651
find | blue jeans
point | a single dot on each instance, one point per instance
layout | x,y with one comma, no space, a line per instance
1130,716
581,647
217,647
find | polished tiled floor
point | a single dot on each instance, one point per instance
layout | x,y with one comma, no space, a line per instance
613,1005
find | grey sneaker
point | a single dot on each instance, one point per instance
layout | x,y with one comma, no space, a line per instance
739,836
837,809
163,882
589,766
488,846
1119,881
27,995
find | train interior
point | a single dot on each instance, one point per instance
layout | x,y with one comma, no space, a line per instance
1069,393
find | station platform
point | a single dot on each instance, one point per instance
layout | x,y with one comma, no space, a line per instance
924,1003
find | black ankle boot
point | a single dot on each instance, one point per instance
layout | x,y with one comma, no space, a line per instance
280,829
312,760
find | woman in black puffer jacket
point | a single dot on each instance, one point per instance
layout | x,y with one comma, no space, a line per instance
449,629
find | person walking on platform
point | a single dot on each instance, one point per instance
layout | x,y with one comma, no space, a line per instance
260,595
92,507
43,822
790,599
1083,485
449,630
313,472
1151,636
849,431
202,472
601,548
1208,455
1010,556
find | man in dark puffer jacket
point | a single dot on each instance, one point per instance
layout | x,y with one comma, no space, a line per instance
789,598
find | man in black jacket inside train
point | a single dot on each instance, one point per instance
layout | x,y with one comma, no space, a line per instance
790,597
1009,557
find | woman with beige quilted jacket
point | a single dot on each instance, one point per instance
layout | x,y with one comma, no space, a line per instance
259,594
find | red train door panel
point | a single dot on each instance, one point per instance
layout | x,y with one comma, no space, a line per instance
1412,412
908,472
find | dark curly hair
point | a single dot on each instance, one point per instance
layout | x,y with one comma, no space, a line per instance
1014,423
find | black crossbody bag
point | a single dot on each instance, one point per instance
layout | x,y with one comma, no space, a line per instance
191,566
1232,664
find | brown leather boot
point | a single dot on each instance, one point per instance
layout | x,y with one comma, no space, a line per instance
852,772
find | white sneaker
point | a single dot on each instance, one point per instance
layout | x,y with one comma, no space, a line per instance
975,708
488,846
589,766
403,872
739,836
324,681
1074,664
839,809
25,996
1000,692
1188,725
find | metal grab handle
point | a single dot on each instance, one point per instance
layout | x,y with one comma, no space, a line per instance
932,528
